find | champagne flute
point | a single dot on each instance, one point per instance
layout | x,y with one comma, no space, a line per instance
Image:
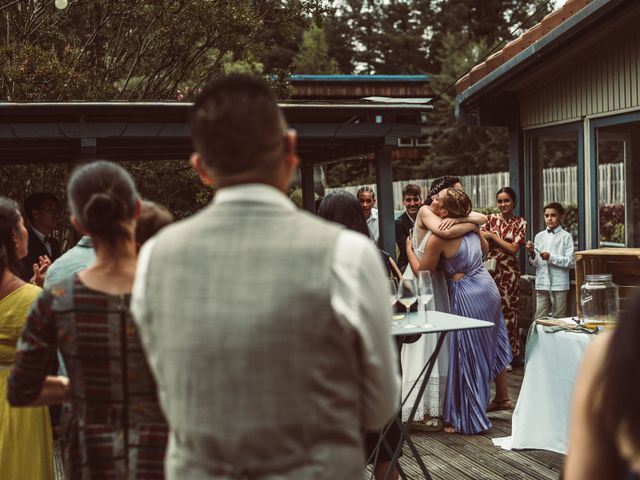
425,290
393,297
407,295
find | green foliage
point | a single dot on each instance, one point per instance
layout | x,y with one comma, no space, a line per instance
140,50
313,57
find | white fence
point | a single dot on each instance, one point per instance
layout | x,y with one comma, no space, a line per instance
559,185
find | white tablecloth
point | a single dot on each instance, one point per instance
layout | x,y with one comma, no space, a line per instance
541,417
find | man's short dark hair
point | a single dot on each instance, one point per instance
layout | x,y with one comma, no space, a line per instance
411,189
237,126
35,201
556,206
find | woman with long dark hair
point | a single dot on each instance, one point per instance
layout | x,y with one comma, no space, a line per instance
344,208
604,439
117,429
506,234
26,441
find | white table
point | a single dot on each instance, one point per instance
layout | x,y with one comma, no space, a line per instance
442,323
541,417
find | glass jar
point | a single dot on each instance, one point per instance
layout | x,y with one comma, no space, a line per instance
599,301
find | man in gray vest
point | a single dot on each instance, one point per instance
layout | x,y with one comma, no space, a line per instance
267,328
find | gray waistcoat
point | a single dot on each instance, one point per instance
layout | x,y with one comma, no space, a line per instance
257,376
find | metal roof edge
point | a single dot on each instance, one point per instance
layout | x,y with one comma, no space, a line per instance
540,47
56,107
360,78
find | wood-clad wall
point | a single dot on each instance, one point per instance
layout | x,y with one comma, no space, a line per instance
606,82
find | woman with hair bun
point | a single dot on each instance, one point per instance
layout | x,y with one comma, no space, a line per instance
506,234
112,393
476,357
26,441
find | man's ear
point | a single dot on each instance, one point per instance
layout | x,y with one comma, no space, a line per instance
77,226
138,209
291,154
197,164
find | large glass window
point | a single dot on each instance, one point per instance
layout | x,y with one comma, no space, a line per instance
618,151
554,178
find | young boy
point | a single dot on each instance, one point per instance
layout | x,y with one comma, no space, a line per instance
552,255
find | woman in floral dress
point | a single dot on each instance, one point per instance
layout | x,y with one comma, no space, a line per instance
506,233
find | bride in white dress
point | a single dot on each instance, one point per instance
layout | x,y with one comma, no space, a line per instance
415,355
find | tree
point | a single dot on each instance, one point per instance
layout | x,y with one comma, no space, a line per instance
313,57
139,50
443,38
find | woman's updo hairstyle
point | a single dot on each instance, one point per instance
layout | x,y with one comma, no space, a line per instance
457,203
9,220
509,191
102,197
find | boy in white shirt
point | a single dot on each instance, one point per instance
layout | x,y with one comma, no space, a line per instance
551,253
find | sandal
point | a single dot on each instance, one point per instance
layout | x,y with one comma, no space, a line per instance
433,424
496,405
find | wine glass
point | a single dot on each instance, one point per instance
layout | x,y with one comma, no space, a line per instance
393,297
425,290
407,295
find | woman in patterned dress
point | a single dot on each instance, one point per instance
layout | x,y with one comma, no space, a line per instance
117,429
506,233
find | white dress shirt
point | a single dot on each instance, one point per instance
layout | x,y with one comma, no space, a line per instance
553,274
373,225
359,296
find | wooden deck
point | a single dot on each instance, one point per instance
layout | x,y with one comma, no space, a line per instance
460,457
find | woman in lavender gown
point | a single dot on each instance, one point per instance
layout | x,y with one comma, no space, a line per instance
476,357
414,356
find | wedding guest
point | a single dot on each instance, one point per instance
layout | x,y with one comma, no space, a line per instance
476,357
72,261
414,357
253,384
153,218
343,208
506,234
551,253
26,441
42,212
367,198
412,201
604,438
117,429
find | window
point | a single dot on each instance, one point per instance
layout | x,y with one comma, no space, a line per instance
554,178
618,185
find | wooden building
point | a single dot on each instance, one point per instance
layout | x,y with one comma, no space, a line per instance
568,90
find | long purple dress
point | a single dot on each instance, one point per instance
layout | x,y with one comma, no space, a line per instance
476,357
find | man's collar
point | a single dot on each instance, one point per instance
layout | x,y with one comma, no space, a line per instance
38,233
413,219
554,230
85,241
255,193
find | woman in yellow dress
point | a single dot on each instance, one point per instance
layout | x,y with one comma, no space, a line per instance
26,442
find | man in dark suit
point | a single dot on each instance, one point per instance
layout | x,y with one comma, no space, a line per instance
404,223
42,211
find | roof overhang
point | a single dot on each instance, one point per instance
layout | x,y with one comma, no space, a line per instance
575,36
64,132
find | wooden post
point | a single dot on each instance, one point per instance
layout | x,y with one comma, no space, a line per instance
308,192
384,183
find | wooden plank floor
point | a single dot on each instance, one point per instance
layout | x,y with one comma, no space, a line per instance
460,457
